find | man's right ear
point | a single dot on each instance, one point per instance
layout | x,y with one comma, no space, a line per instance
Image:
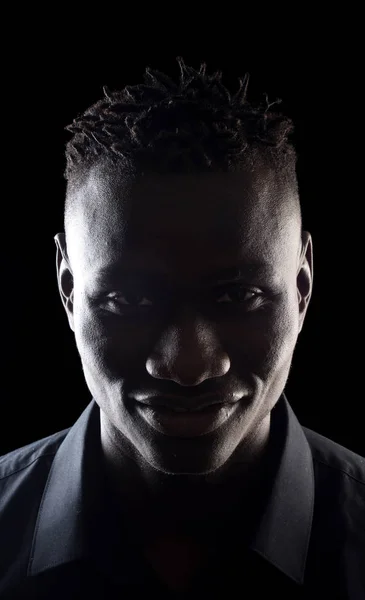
64,277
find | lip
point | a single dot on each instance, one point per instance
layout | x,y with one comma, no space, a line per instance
187,423
183,405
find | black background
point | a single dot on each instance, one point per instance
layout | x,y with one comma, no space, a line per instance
47,83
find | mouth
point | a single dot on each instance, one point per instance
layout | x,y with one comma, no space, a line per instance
183,405
177,421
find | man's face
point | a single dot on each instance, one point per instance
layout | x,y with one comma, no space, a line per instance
184,285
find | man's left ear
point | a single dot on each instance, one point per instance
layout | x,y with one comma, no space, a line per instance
305,276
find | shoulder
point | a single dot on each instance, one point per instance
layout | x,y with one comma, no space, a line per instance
336,460
23,476
23,471
339,477
31,456
337,541
339,511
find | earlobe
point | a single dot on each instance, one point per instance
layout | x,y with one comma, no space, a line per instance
64,277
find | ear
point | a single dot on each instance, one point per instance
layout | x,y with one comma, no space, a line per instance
305,276
64,277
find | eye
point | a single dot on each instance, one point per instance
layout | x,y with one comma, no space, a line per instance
139,304
135,300
127,304
238,294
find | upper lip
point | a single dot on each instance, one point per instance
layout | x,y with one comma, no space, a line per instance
183,404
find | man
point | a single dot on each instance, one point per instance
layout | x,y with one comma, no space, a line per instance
185,275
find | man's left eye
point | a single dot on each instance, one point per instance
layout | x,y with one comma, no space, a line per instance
239,294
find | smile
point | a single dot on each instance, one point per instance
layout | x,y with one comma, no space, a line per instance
186,423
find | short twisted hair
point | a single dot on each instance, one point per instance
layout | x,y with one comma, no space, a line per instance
195,124
192,125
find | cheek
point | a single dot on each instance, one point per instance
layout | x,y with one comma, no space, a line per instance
92,339
281,341
107,347
263,342
92,346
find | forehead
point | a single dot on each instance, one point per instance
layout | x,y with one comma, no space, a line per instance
180,224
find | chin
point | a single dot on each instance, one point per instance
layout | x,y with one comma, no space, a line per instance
187,456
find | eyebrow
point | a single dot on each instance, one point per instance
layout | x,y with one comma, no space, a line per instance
221,276
241,271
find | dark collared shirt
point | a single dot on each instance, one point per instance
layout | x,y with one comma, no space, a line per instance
61,535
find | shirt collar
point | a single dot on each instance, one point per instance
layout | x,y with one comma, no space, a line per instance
285,527
73,499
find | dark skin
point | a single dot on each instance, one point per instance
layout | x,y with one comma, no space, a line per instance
185,332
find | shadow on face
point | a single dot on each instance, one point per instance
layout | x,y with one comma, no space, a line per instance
182,285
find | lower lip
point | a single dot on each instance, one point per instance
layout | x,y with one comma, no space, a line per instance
186,424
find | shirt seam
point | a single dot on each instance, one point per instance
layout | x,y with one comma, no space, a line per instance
28,465
338,469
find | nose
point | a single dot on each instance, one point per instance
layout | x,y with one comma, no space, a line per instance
188,352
